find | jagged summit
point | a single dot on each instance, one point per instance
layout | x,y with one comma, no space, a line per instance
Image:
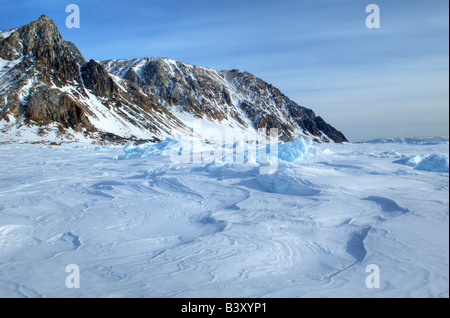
46,82
44,18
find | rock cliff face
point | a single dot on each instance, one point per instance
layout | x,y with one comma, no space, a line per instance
35,60
46,80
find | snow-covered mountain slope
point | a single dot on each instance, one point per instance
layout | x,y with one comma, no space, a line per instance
45,80
232,98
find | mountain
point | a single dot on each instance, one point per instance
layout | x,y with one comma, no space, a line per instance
410,140
48,88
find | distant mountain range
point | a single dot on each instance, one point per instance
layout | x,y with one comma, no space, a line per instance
409,140
49,91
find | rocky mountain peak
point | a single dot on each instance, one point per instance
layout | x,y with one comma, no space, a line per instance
45,19
42,40
39,60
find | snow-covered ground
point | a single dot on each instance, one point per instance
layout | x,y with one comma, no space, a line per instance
144,226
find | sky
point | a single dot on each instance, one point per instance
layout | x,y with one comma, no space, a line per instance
390,81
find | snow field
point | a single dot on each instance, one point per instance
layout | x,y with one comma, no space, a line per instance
149,227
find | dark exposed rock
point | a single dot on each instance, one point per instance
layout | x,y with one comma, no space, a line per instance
41,44
109,138
47,105
98,80
330,131
47,61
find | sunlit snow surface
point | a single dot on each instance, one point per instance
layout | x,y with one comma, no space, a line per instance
148,227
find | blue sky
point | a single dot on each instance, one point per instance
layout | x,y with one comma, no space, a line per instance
368,83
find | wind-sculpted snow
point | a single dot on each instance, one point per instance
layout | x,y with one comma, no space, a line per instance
151,227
